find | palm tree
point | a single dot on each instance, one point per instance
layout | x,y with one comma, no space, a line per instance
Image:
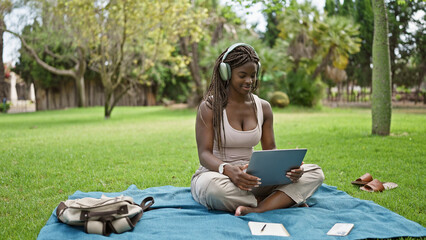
381,104
295,27
324,39
336,38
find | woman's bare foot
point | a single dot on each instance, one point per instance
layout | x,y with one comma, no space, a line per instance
243,210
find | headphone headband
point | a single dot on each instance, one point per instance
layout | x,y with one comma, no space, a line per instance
235,45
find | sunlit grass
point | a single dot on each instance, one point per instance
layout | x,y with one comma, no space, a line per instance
47,156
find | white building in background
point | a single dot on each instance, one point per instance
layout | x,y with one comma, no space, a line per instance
13,93
17,105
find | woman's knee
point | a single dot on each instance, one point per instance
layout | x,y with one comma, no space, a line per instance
319,175
314,174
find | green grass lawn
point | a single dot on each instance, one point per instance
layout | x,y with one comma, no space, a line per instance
47,156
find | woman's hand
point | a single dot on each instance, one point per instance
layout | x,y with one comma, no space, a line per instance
295,174
240,178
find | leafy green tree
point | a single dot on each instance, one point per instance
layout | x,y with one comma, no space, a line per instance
272,31
189,48
347,9
52,33
316,42
296,24
30,70
398,20
381,99
172,80
337,39
127,38
404,41
75,72
418,62
358,68
220,25
360,64
330,7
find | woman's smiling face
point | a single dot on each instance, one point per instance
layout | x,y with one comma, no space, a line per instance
243,78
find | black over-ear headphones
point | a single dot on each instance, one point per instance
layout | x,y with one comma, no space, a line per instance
225,69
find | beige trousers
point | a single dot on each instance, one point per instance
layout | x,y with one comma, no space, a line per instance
216,191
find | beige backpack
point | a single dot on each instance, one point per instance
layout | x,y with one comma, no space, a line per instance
104,215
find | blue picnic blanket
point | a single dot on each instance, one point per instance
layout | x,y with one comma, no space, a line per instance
179,217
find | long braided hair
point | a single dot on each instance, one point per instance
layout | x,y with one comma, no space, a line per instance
217,93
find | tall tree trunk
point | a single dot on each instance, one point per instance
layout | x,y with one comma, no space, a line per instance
81,91
194,68
111,99
3,85
107,106
80,69
218,31
381,104
348,96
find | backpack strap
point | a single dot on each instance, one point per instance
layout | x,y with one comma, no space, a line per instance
85,215
146,203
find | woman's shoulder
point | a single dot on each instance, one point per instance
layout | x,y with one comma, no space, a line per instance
266,107
265,104
206,103
205,109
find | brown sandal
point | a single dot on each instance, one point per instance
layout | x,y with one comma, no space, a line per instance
377,186
364,179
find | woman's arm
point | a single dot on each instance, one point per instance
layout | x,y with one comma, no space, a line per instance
268,139
204,134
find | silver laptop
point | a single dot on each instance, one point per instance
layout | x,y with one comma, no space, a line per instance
271,165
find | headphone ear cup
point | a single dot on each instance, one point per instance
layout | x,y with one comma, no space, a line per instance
223,71
258,70
228,70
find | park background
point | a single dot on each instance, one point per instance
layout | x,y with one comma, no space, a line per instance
160,55
154,60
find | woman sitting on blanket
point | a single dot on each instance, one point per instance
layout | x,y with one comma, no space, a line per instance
231,120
